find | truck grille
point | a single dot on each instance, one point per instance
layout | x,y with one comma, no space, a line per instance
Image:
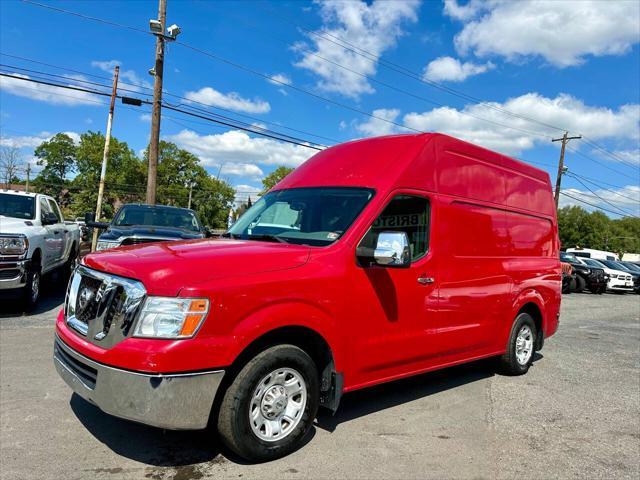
102,307
87,374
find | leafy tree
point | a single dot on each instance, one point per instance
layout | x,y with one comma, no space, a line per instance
58,156
124,179
179,172
274,177
578,227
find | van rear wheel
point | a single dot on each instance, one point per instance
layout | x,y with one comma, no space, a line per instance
270,406
521,347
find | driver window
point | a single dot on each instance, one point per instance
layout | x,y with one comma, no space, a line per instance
405,213
44,208
54,208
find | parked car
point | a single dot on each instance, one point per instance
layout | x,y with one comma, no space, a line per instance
619,280
373,261
620,266
585,277
34,240
139,223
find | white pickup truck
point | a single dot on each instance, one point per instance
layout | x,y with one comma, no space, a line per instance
34,240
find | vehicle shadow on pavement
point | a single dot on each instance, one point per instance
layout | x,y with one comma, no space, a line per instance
51,297
153,446
375,399
167,448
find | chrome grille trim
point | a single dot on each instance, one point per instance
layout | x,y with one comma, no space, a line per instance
102,307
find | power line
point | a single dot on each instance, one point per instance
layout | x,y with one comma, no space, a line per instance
590,204
614,156
602,164
603,188
258,131
603,200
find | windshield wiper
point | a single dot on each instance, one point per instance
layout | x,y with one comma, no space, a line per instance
267,237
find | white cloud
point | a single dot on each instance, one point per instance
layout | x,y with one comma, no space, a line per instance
46,93
130,77
627,199
145,117
380,125
241,170
280,79
564,111
33,141
563,33
451,69
236,147
231,101
372,27
626,156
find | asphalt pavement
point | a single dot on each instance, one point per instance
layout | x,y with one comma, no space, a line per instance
576,414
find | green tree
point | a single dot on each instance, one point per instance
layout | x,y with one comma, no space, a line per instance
274,177
179,171
577,227
58,156
124,179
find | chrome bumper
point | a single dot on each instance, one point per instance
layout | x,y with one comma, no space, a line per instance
174,402
13,274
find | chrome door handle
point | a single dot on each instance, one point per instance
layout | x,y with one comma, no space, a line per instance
425,280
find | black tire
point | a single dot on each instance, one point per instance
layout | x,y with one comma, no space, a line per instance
31,291
234,425
509,363
580,284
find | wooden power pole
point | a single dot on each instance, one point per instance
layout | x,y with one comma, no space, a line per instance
154,142
28,173
565,139
105,154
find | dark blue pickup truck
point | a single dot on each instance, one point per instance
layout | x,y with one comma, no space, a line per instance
140,223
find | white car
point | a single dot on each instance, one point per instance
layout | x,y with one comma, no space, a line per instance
34,240
619,281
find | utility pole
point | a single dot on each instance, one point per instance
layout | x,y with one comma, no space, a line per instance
157,105
105,154
28,173
565,139
190,190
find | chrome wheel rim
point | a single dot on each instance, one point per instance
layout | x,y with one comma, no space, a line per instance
277,404
524,345
35,286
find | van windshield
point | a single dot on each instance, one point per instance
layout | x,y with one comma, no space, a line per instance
17,206
306,216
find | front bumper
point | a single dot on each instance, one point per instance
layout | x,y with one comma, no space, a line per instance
13,273
174,401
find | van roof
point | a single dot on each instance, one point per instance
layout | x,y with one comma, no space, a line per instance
432,162
375,162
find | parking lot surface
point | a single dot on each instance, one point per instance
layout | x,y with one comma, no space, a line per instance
576,414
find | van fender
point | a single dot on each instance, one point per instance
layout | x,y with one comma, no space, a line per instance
528,295
287,314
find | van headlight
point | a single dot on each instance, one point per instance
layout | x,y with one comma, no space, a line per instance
106,245
15,245
168,317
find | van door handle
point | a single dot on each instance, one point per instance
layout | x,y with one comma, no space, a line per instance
425,280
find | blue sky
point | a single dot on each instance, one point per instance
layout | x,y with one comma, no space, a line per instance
572,65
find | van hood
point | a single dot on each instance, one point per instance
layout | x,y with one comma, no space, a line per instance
142,231
166,268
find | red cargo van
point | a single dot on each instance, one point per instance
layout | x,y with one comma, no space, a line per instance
375,260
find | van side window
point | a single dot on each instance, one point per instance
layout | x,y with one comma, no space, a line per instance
405,213
54,208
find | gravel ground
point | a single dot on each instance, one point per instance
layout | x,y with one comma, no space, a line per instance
574,415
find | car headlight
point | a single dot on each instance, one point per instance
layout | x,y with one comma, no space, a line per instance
105,245
13,245
167,317
587,271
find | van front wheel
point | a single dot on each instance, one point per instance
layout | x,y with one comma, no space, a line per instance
270,406
521,347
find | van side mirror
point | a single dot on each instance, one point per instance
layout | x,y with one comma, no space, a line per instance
391,250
